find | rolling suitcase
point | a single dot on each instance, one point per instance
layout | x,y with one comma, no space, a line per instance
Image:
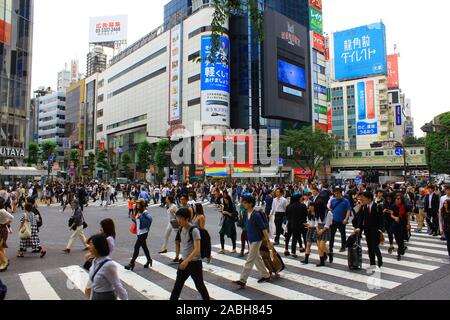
355,255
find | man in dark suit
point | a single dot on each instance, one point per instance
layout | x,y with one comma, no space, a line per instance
371,222
432,209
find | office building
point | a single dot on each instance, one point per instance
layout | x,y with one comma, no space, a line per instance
96,61
16,36
64,80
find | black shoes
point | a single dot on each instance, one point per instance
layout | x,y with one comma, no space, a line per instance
330,257
287,254
130,267
342,249
322,262
390,250
149,263
262,280
66,251
240,283
162,252
306,261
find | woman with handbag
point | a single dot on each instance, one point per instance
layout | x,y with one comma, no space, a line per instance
172,223
5,219
28,233
77,225
229,219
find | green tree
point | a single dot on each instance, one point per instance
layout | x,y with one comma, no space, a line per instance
310,149
145,156
162,158
47,149
125,162
33,154
438,146
91,164
74,156
224,9
414,141
102,162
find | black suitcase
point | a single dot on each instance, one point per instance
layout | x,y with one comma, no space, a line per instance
355,255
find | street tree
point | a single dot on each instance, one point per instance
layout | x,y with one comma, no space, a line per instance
224,9
162,157
145,156
33,154
438,146
91,164
103,163
125,162
310,149
74,156
48,148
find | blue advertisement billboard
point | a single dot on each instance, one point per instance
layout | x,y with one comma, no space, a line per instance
360,52
215,83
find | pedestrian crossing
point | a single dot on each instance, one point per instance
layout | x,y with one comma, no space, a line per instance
297,282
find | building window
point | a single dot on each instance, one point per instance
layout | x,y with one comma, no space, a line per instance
194,78
194,56
100,113
194,102
201,30
101,83
127,122
140,81
100,98
100,128
379,153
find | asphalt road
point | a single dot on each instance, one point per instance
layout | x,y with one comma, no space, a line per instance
58,276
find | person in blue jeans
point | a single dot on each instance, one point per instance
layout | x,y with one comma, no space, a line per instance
341,209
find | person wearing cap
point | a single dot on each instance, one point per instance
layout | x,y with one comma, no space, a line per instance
189,245
77,227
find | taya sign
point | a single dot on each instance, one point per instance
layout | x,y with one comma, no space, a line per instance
12,152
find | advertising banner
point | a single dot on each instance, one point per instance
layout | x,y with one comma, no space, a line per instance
318,42
367,122
108,29
320,109
398,115
320,89
5,22
175,66
393,75
360,52
316,4
330,118
215,83
316,20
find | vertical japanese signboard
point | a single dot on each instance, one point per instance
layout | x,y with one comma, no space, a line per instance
319,42
360,52
175,85
393,76
215,83
367,120
317,4
315,18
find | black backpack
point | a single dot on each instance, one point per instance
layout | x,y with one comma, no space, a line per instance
205,241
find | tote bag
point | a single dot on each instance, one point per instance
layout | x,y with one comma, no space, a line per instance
25,232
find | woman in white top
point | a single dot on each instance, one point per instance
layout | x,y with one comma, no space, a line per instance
324,220
108,229
311,225
5,219
171,224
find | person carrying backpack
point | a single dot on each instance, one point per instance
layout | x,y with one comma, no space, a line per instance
188,243
143,222
257,232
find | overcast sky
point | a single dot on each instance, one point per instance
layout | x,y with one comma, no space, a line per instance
61,34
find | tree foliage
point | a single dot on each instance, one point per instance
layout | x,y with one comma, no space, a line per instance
102,161
162,159
310,149
438,146
48,148
224,9
33,154
91,164
414,141
145,156
74,156
125,162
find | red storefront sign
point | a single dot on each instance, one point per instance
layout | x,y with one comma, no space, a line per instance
319,42
211,144
393,76
303,173
316,4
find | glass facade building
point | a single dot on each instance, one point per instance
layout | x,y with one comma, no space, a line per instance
175,7
16,30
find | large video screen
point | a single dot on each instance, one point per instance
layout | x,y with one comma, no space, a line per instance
291,74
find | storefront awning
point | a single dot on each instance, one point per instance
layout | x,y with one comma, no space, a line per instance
22,172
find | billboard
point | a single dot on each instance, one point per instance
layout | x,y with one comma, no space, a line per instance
5,22
367,120
215,83
393,76
360,52
108,29
287,84
316,4
175,74
316,20
318,42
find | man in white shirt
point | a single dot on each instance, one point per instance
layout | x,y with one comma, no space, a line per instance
441,205
279,206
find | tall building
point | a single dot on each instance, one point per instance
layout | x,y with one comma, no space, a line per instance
16,35
177,8
51,125
64,80
96,61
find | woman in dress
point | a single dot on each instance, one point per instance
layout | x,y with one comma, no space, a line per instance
229,218
323,234
5,219
311,224
33,242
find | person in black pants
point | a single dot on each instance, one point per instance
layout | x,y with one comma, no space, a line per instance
341,209
296,214
432,209
399,215
142,234
371,222
189,244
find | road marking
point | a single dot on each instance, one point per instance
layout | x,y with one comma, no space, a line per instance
214,291
148,289
342,274
272,289
77,276
37,287
308,281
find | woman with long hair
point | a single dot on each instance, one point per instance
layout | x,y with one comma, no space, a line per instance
323,233
311,224
388,203
143,221
229,218
399,215
199,219
108,229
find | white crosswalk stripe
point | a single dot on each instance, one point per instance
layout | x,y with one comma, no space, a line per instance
37,287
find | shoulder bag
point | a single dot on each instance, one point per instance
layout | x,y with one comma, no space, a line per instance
25,231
